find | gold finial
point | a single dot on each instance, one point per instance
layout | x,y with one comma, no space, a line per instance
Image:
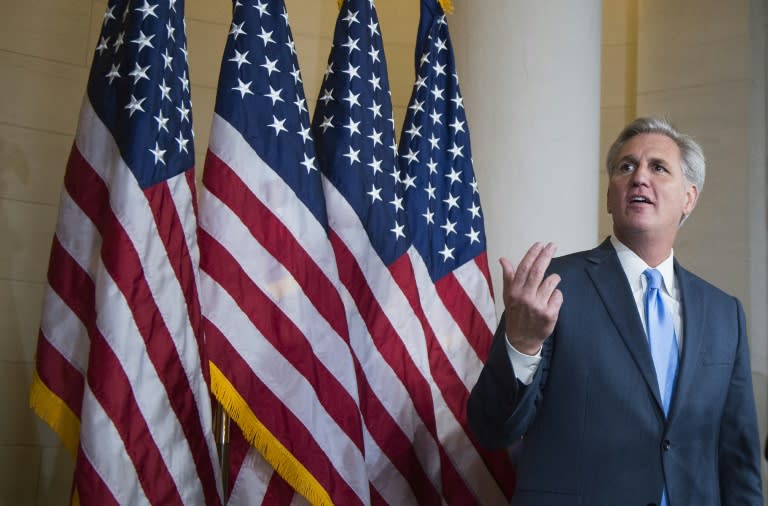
447,6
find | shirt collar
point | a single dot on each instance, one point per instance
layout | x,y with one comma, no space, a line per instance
634,266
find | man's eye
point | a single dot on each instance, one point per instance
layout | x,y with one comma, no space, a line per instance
626,167
660,168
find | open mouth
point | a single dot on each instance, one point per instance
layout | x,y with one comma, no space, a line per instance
639,199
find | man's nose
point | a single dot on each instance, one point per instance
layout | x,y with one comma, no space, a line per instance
641,174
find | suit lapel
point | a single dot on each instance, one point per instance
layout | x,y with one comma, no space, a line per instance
614,290
694,311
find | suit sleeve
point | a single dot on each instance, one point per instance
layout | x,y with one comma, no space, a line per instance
739,447
501,408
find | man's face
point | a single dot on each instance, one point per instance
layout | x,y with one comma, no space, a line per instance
647,193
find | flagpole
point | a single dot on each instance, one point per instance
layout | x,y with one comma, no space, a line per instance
221,435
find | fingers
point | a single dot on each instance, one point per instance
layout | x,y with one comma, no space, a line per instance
533,266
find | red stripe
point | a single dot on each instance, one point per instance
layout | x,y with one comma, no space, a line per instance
278,491
89,485
238,449
465,314
58,374
122,261
112,388
283,334
392,348
279,420
278,240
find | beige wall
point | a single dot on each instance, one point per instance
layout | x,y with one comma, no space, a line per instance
713,82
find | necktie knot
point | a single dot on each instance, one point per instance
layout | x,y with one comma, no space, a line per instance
654,279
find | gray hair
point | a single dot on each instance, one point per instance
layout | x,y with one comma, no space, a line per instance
692,159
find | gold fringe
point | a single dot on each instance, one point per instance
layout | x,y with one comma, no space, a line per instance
447,6
278,456
340,2
55,412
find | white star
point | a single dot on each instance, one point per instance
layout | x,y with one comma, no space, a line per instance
456,151
429,215
375,165
284,15
118,41
300,102
475,210
424,58
184,111
395,174
237,30
436,119
270,65
102,45
305,135
374,54
173,5
329,69
147,10
262,8
449,227
161,121
439,69
432,166
473,184
412,156
170,29
277,125
447,253
109,15
398,231
243,88
327,123
414,131
440,45
375,193
375,137
352,99
474,235
374,28
134,105
184,81
433,141
351,44
452,201
327,96
159,154
430,191
240,58
397,202
182,142
274,95
454,176
352,126
351,18
421,81
296,73
417,106
352,71
266,37
376,109
167,60
375,82
409,181
352,155
113,73
437,93
458,101
165,91
309,163
143,41
291,46
458,126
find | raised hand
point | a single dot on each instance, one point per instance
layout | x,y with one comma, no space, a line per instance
531,302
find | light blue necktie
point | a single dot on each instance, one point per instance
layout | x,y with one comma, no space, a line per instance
662,341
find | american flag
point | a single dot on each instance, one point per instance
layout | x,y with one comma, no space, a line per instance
446,224
121,374
276,327
422,309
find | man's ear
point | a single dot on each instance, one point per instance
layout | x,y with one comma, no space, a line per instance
691,198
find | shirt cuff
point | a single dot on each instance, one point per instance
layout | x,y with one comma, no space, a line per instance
524,365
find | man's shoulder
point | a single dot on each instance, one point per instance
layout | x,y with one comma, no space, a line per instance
689,281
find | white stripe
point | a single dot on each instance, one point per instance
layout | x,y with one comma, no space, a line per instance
472,279
103,447
252,481
293,390
281,288
385,478
114,316
64,331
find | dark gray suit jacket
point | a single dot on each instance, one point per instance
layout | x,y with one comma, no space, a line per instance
591,422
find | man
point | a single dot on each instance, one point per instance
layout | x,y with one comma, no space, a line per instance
627,385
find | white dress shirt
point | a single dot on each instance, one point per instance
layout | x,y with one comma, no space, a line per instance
525,365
